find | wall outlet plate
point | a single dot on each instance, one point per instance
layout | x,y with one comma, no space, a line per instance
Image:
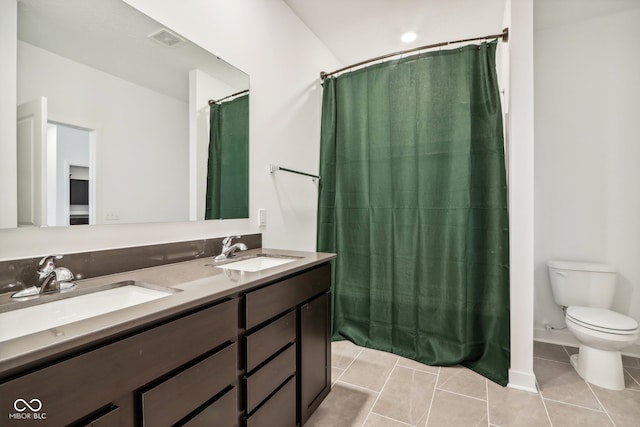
112,216
262,217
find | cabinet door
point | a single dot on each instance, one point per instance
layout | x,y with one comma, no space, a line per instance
315,354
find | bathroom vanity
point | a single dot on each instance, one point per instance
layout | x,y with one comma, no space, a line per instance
232,348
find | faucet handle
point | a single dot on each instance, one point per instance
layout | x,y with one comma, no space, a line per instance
49,258
226,242
63,274
47,265
64,277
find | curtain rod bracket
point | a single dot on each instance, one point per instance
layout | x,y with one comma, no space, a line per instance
274,168
505,35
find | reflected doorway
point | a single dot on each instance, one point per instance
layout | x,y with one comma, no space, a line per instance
69,175
56,169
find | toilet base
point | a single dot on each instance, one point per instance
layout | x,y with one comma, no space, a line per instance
599,367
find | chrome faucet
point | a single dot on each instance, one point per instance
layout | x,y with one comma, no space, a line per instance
50,278
229,250
47,269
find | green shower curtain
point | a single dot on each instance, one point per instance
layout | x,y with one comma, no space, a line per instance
228,166
413,201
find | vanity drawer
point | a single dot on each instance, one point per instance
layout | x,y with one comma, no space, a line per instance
279,410
268,302
109,418
221,413
265,380
175,398
266,341
104,374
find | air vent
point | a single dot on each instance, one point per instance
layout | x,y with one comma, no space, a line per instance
166,38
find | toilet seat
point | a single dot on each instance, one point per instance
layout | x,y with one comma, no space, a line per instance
602,320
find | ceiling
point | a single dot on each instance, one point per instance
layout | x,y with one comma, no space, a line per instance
356,30
111,36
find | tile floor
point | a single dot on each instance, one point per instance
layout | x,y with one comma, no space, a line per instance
376,389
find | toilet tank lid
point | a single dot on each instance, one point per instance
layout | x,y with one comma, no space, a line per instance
581,266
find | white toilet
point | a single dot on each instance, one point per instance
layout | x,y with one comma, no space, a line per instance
587,291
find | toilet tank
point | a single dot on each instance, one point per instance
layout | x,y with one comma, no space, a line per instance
583,284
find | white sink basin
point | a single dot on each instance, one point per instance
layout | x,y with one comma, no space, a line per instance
257,263
39,317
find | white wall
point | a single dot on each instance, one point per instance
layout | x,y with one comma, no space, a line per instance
8,152
521,202
587,186
283,58
131,123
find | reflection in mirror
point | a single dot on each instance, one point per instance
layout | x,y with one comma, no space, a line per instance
228,168
136,94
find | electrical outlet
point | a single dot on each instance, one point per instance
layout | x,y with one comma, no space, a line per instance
262,217
112,216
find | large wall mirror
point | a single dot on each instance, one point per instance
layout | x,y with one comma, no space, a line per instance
114,120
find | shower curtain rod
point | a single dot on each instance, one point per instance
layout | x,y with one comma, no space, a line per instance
211,101
504,36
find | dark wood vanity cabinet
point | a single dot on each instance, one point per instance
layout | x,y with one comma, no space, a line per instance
257,359
287,349
159,376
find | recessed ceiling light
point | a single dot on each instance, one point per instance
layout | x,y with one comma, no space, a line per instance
408,37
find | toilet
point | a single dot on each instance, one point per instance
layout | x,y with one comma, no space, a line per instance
587,291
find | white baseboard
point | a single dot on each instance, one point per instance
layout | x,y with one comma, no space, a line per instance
555,336
525,381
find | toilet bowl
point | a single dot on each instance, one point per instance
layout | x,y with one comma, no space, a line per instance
602,334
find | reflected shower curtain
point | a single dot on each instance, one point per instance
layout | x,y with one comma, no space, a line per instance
413,201
228,165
